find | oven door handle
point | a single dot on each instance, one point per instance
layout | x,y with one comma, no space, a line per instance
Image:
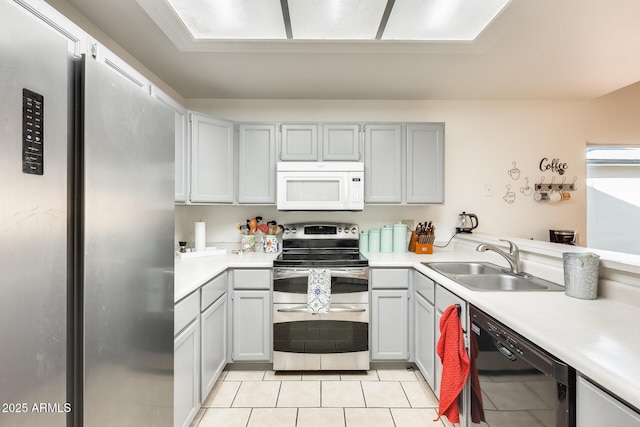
283,273
334,309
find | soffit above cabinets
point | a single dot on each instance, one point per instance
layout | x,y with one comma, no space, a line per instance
189,23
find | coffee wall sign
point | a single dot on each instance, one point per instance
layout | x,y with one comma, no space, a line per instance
553,165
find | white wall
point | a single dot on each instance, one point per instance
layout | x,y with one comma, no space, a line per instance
482,140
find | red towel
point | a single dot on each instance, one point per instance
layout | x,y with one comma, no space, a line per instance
477,407
455,364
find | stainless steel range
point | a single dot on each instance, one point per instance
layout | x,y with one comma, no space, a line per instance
339,339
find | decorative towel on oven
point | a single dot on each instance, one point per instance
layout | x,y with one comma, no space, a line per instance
319,291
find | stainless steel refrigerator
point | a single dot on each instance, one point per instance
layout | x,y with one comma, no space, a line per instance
86,226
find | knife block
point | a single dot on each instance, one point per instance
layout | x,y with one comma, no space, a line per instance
424,248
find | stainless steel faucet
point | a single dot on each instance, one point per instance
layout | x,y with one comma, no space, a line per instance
513,257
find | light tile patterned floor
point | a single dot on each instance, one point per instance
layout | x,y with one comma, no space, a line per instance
380,398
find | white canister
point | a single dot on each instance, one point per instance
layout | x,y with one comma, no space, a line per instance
400,237
386,239
374,240
363,243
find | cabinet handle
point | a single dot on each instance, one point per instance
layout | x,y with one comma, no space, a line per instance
304,309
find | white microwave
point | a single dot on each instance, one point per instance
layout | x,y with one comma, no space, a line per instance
320,186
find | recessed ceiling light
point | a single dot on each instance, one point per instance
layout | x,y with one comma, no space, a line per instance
231,19
193,21
455,20
335,19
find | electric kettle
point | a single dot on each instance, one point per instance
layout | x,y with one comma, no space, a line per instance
466,222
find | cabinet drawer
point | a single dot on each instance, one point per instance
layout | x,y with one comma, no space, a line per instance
425,287
252,279
213,290
185,311
389,278
444,299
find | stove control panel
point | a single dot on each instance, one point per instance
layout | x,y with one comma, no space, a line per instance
320,231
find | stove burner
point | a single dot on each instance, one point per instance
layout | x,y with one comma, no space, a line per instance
320,245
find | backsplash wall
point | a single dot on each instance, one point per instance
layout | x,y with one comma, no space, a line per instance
220,220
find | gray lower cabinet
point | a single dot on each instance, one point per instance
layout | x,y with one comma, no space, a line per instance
186,360
597,408
390,325
443,299
212,159
299,142
251,315
383,163
425,163
214,343
389,313
257,163
251,326
424,329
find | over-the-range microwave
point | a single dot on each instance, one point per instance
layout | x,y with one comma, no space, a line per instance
320,186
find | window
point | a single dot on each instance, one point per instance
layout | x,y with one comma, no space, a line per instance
613,198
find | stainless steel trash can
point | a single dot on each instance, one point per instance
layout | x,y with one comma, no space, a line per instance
581,274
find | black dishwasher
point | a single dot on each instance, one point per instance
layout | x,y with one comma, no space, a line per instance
520,383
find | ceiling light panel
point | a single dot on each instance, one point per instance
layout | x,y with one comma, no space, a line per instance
231,19
456,20
335,19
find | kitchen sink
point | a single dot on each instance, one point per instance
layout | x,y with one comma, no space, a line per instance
448,268
480,276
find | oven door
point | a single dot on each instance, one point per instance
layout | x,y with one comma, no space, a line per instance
338,340
348,285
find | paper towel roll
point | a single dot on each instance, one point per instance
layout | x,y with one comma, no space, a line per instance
200,233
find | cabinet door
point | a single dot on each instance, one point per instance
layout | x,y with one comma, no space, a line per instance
425,163
299,142
257,163
383,163
424,344
182,146
186,375
211,160
390,322
596,408
214,344
341,142
251,326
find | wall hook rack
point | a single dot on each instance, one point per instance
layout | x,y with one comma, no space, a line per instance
563,186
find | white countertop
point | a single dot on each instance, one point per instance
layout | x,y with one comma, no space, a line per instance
191,273
596,337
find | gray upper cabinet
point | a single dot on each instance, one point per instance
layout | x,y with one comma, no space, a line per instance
257,163
299,142
341,141
383,163
404,163
211,160
182,144
425,163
